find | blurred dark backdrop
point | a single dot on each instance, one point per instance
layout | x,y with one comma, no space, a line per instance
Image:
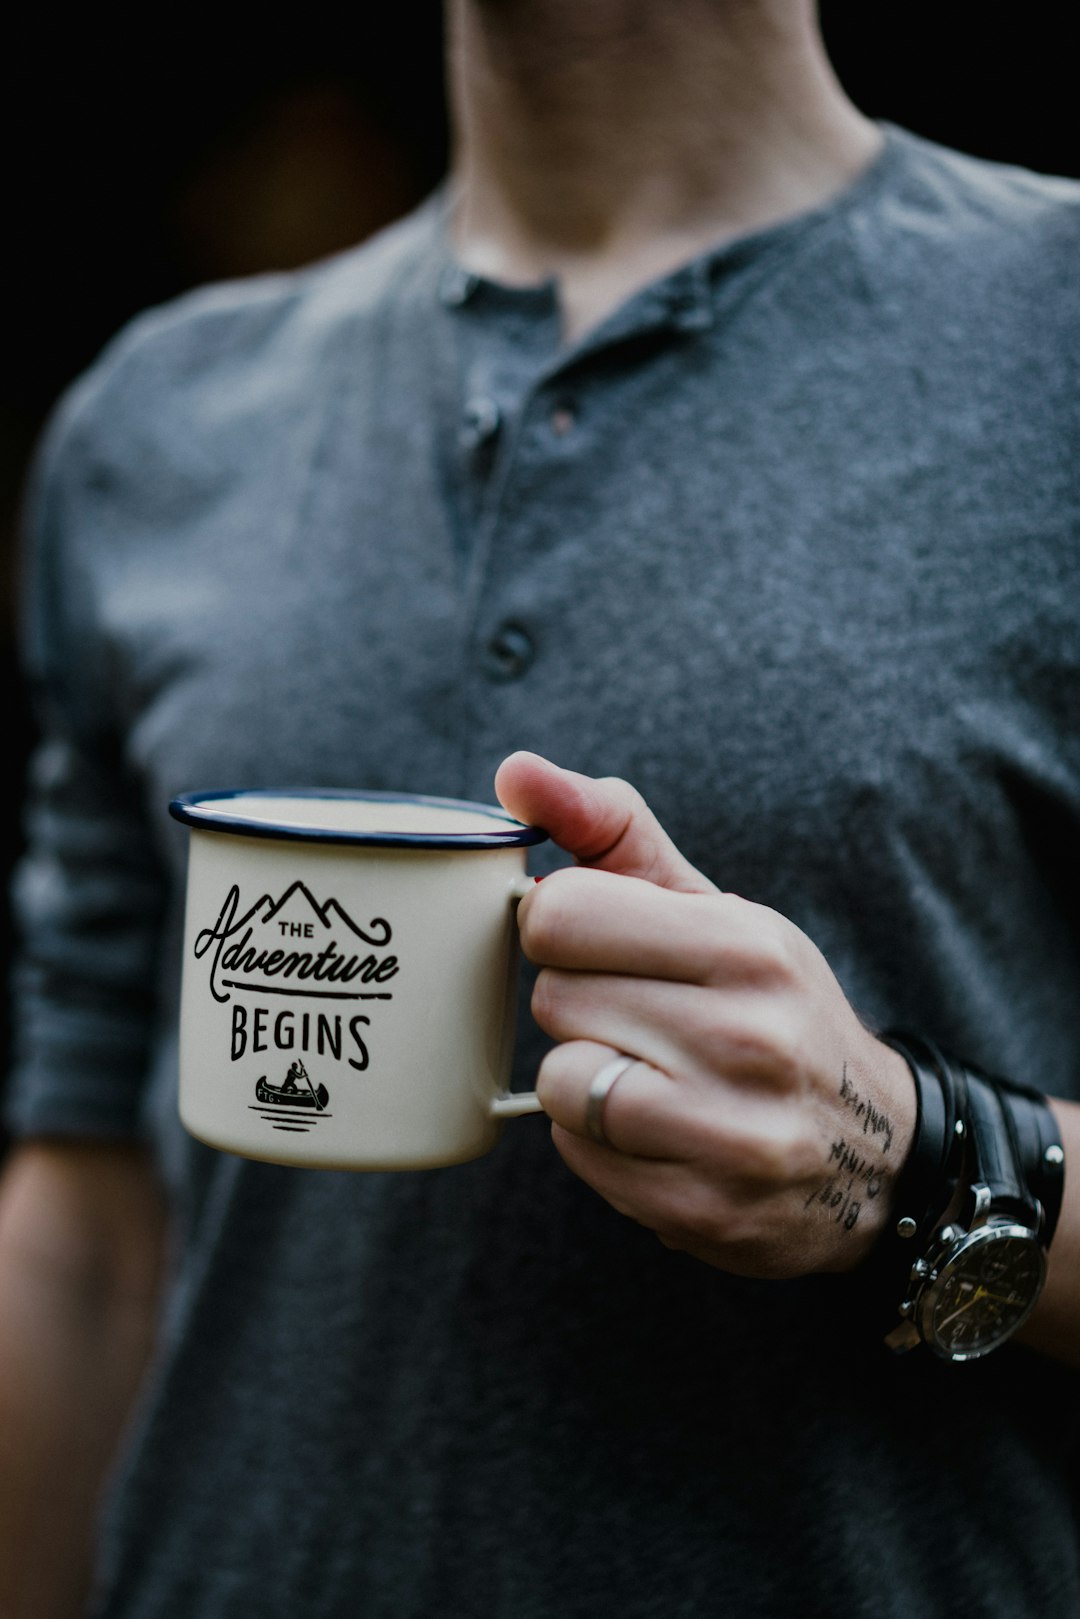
138,169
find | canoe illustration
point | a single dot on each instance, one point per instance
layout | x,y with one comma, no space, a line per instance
297,1090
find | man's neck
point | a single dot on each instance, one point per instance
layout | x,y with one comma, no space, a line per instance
605,143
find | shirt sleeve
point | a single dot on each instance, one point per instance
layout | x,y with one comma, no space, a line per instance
88,896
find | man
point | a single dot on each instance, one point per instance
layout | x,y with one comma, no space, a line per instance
704,435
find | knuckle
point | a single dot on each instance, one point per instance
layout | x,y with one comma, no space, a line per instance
633,809
750,945
787,1050
769,1160
624,793
775,1157
729,1041
764,1046
713,930
776,958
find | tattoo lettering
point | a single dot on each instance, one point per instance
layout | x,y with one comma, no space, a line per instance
856,1168
874,1122
837,1198
851,1162
860,1172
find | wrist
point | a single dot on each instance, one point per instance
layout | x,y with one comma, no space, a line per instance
881,1109
964,1254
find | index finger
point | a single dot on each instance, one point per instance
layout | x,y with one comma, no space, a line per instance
599,921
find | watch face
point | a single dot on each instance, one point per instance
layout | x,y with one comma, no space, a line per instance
982,1292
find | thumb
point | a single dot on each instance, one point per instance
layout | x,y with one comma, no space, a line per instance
604,823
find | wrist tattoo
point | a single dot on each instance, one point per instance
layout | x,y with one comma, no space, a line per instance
874,1121
858,1167
857,1174
837,1198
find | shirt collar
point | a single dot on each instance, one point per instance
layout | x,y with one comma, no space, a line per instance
682,300
688,299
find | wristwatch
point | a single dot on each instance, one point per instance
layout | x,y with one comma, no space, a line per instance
983,1238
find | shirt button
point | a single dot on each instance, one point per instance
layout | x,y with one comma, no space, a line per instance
509,653
563,418
457,286
482,421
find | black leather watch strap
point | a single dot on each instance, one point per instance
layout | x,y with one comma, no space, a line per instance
1037,1141
927,1181
989,1131
995,1160
924,1187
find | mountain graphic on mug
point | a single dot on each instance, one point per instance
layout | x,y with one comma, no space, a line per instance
296,945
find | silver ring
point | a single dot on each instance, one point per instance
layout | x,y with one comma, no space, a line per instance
602,1083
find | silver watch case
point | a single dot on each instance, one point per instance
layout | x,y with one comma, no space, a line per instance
973,1288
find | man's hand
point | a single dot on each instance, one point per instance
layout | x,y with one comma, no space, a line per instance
762,1127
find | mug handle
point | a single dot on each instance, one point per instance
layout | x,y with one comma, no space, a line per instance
515,1104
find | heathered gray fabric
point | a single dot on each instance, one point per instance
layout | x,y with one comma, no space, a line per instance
804,567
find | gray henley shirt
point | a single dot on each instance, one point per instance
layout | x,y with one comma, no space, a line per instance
789,541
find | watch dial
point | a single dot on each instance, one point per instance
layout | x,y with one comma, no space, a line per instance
983,1292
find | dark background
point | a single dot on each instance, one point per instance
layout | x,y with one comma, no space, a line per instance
138,169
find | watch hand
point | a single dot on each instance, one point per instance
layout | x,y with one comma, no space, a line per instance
979,1293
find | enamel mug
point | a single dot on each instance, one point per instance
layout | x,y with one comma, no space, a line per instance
349,976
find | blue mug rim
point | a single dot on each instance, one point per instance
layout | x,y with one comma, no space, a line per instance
196,810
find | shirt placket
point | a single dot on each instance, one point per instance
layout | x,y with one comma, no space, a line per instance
522,417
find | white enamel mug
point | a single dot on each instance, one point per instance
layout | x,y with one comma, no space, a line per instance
349,976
